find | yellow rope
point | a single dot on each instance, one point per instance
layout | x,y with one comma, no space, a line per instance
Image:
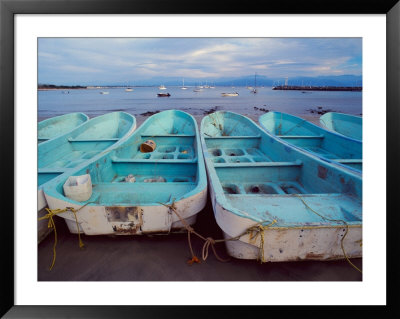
51,224
259,230
334,220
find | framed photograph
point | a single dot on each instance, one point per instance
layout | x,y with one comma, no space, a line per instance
138,60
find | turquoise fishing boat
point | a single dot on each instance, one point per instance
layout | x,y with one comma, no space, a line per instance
325,144
345,124
133,187
275,202
63,153
59,125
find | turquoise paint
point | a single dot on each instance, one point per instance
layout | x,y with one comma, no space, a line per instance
345,124
309,137
59,125
266,184
177,158
74,148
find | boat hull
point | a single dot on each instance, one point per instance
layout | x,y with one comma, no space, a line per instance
68,144
287,243
133,220
277,203
132,191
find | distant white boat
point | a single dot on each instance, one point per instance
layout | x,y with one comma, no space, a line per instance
230,94
104,92
128,90
183,85
197,90
162,87
254,90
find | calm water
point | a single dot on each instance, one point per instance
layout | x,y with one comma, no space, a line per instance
143,99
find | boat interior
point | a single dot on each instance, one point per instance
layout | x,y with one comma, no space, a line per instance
129,176
56,126
255,172
300,133
61,154
345,124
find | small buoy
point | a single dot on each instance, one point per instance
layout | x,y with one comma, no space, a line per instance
148,146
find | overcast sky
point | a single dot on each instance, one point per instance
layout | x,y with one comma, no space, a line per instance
110,60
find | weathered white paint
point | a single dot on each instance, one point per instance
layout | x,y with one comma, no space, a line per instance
93,220
287,244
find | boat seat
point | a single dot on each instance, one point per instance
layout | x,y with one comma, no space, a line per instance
301,136
167,135
232,137
112,139
348,160
51,170
151,160
259,164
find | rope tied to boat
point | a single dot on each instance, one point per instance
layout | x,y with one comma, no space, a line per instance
333,220
207,241
253,232
257,230
51,224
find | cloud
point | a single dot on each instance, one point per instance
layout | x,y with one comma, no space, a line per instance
107,59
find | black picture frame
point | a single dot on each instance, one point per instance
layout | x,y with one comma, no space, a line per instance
9,8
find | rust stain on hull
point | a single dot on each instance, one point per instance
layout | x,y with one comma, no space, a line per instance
126,220
322,172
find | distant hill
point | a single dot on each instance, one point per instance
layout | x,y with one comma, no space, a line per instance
262,80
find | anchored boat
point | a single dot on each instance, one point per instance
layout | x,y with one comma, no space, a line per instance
59,125
62,154
230,94
345,124
163,94
277,203
325,144
135,185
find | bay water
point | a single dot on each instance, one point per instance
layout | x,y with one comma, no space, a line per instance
144,99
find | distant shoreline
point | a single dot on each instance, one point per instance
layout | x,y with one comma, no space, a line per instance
49,87
318,88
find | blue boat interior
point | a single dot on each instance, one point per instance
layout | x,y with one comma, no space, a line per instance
59,125
345,124
311,138
58,155
256,174
127,176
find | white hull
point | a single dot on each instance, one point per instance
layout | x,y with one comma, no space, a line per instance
42,226
229,94
286,243
130,220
